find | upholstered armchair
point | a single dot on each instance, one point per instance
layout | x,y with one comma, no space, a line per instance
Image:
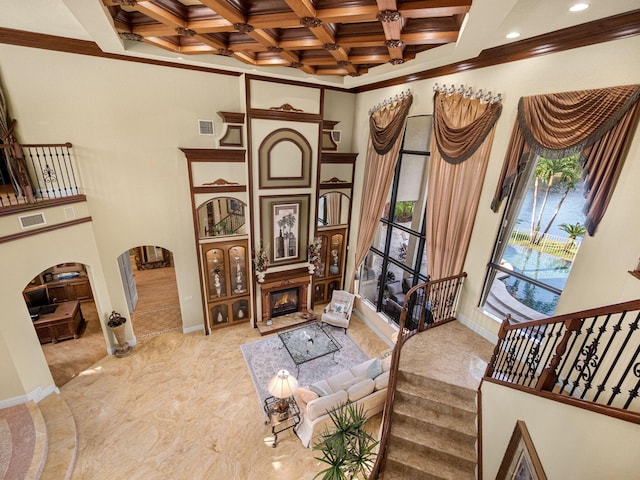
338,311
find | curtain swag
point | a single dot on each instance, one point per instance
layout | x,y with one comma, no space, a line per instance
457,143
387,124
384,136
595,123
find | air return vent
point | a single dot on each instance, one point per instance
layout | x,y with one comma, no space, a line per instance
30,221
205,127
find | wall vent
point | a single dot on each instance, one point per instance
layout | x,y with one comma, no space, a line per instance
205,127
30,221
69,213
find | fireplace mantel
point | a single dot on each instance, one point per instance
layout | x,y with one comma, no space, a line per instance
299,278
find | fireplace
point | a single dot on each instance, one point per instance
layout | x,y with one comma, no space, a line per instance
284,293
284,301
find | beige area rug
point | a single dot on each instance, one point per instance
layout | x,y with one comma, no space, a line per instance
266,357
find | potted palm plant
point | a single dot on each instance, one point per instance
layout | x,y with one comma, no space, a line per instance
347,448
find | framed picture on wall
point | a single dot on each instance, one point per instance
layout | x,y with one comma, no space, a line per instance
285,227
520,461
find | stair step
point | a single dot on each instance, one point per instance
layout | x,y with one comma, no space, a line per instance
62,438
430,436
41,445
463,424
438,391
405,457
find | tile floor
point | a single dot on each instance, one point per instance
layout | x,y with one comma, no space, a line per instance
184,407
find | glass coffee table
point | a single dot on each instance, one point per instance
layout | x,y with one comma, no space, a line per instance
307,343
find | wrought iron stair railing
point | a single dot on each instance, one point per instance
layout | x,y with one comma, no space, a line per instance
589,358
38,172
227,226
426,306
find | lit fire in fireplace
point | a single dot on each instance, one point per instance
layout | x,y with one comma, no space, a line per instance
283,300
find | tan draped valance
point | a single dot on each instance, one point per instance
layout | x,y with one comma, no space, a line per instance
386,126
460,145
385,131
457,141
594,122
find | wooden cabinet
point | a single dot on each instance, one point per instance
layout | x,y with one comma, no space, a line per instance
335,192
66,290
226,268
329,272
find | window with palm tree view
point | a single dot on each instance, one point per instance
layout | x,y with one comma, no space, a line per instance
396,260
543,230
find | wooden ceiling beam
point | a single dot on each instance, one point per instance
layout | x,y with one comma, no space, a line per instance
263,37
274,20
348,14
212,42
435,38
152,10
162,43
154,30
302,8
272,62
218,25
369,59
434,8
226,10
301,44
198,49
361,41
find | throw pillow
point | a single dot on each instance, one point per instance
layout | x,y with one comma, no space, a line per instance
361,389
382,381
338,307
321,392
374,369
306,395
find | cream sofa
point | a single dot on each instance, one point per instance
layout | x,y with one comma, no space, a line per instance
365,384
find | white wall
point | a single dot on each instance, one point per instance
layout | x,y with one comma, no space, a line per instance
571,442
126,122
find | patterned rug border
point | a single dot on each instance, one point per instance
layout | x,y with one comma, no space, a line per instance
266,356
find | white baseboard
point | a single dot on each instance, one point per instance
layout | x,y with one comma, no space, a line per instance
375,329
35,395
195,328
483,332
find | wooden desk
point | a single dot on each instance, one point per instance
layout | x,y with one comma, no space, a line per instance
66,322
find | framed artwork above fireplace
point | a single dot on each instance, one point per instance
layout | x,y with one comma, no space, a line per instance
285,227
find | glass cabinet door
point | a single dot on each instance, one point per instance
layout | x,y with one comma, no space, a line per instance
321,268
335,257
238,269
216,274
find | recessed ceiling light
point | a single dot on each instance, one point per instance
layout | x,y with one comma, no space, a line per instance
513,35
578,7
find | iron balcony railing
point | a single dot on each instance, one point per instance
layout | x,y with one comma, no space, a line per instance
591,356
38,173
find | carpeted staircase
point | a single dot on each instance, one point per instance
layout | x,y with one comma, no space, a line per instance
433,431
39,442
434,420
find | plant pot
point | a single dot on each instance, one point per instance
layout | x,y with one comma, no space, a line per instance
122,348
260,276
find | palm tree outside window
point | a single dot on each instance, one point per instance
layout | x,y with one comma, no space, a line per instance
546,222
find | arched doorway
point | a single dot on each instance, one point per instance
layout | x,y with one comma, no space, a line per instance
149,281
65,318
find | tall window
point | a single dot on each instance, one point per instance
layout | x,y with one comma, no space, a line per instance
543,225
396,259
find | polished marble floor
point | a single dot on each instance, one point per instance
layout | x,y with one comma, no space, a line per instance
184,407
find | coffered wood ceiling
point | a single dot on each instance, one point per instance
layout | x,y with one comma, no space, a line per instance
318,37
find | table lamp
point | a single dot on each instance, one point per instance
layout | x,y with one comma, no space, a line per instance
282,386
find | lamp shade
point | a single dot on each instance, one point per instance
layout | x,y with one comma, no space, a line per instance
283,385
